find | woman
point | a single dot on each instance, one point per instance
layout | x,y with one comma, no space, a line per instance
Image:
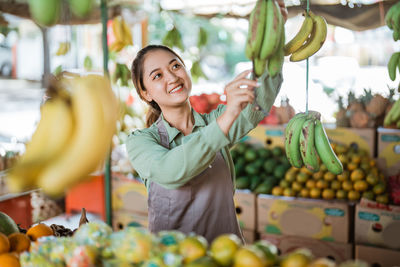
183,156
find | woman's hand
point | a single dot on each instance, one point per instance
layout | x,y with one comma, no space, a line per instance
239,93
283,9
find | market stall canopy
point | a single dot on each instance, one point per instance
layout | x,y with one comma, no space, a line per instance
355,15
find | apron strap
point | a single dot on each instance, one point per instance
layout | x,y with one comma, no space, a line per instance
162,131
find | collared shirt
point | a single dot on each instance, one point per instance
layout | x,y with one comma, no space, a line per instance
189,155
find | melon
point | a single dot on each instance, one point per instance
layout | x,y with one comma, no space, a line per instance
7,224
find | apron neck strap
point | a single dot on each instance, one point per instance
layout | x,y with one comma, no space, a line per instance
162,131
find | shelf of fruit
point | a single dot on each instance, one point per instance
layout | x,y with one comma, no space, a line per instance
96,244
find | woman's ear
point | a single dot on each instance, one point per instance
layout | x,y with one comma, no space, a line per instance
145,94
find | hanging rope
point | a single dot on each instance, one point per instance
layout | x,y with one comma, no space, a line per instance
307,65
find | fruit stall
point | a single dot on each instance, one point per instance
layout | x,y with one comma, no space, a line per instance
309,192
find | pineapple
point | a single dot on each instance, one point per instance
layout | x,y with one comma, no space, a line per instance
341,116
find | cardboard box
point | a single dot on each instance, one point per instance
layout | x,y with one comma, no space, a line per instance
122,219
378,256
249,236
319,219
245,203
375,226
268,135
389,150
363,137
339,252
128,194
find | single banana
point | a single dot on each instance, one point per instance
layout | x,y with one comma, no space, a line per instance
298,40
307,145
393,110
272,31
388,17
275,63
315,42
292,140
50,138
116,46
325,151
63,48
90,140
259,66
256,29
396,111
392,65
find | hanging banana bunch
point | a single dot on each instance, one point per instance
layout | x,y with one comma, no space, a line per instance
266,38
173,38
122,33
392,20
197,72
309,39
306,143
122,73
63,48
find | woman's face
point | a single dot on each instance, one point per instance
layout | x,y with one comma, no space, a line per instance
166,79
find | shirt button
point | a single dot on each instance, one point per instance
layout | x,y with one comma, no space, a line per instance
210,166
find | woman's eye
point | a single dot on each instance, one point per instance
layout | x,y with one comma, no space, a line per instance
175,66
156,76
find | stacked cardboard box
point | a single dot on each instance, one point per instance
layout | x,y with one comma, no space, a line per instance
389,150
246,211
322,226
377,233
129,202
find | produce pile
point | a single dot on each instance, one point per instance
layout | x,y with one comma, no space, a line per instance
205,103
258,168
95,244
360,178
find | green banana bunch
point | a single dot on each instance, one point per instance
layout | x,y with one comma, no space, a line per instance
309,39
122,73
265,36
393,116
122,33
393,64
173,38
306,143
392,20
196,71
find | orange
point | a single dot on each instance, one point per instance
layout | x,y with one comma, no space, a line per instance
351,166
357,174
277,191
368,195
288,192
384,199
322,184
296,186
284,184
343,176
328,176
249,256
192,248
38,231
356,158
302,177
305,192
224,247
315,193
341,194
9,260
372,163
4,243
372,179
296,259
328,193
19,242
360,186
336,185
353,195
310,184
290,176
318,175
323,168
379,188
306,171
343,158
347,185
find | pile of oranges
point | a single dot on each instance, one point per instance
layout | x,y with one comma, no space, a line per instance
14,244
360,178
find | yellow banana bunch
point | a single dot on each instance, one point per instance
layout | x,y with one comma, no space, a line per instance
306,143
63,48
309,39
122,33
58,157
265,38
392,20
393,116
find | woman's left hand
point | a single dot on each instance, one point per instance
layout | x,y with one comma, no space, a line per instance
283,9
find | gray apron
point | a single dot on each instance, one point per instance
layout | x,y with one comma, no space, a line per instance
204,205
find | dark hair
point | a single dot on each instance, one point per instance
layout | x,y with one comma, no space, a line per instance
137,77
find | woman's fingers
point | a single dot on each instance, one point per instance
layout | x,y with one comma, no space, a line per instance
242,83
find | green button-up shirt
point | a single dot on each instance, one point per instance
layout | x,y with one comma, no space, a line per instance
189,155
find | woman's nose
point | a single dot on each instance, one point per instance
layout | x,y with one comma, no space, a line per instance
171,77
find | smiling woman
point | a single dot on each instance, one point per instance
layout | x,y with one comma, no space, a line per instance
183,156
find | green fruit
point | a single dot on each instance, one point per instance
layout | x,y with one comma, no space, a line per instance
264,153
250,155
251,169
241,148
202,262
277,151
242,182
45,12
7,224
81,8
279,171
269,165
254,182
